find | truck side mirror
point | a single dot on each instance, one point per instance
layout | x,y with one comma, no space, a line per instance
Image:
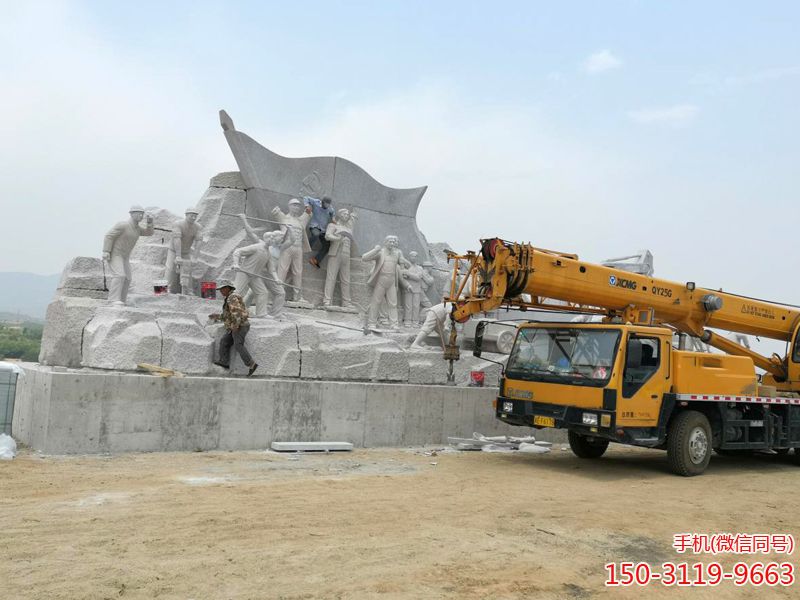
480,329
633,358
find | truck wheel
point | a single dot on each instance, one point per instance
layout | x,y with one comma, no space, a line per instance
689,443
795,456
585,447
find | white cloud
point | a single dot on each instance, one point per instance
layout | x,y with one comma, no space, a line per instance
673,115
601,61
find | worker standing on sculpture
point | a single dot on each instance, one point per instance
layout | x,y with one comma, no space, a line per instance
321,215
185,234
411,280
340,237
234,316
292,257
117,247
385,278
434,321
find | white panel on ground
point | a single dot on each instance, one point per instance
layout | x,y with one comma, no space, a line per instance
311,446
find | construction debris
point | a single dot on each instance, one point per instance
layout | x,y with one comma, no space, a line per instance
500,443
161,371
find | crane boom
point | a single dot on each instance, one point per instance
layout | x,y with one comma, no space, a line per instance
503,272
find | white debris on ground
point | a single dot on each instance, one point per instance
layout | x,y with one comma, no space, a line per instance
500,443
8,447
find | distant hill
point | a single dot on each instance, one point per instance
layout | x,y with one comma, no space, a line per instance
26,294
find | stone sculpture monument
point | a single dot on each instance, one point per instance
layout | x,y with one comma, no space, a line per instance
186,234
292,257
436,320
411,280
385,279
255,267
117,248
271,179
426,284
340,234
173,332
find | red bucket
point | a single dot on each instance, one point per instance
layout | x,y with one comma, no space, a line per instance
208,289
476,378
160,288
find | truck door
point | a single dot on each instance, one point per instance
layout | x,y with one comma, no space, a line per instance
644,380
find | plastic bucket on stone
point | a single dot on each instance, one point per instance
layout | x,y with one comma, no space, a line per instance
160,288
208,289
476,378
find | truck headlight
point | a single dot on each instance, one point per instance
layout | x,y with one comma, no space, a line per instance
589,419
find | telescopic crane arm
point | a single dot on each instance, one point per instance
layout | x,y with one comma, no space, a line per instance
503,273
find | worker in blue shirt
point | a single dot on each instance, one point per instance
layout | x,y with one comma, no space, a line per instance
322,214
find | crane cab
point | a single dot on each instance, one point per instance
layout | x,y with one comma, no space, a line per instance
626,383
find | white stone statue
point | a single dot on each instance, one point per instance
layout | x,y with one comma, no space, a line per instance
292,257
411,281
117,247
436,320
426,284
340,235
256,266
180,261
385,278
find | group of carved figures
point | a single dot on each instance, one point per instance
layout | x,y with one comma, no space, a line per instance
275,260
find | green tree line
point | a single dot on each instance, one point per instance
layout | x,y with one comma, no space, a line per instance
23,344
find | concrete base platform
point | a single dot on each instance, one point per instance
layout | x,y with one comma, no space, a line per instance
63,411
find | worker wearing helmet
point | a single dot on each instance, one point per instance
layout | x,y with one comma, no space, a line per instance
117,247
185,234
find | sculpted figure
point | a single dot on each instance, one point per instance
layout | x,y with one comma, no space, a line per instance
426,284
411,280
185,234
340,236
434,321
292,257
117,247
256,266
385,278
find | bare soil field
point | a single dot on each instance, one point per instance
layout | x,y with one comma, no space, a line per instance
373,523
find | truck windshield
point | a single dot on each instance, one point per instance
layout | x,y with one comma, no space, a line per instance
562,355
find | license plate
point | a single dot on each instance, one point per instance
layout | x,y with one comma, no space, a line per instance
544,421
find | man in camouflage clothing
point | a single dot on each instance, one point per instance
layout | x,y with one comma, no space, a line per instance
234,316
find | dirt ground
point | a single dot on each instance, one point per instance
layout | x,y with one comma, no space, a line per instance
372,523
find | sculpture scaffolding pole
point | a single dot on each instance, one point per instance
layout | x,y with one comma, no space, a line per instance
263,221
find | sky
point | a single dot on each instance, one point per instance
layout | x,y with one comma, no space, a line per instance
598,128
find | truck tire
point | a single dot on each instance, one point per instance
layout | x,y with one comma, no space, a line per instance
689,443
795,456
584,447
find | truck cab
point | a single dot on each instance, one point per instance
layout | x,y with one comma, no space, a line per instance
624,383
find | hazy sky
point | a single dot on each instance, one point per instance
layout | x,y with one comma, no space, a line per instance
592,127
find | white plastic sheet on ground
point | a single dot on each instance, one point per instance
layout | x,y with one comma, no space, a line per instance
8,447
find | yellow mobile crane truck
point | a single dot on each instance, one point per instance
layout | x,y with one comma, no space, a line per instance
620,379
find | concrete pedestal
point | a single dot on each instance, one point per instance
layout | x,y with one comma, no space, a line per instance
62,411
